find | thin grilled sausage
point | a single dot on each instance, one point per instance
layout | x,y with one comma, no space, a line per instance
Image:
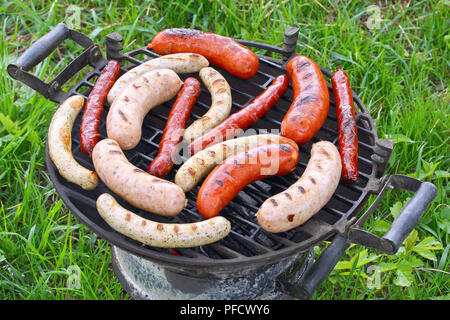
163,235
134,185
173,131
178,62
347,131
94,107
311,102
224,52
220,105
241,169
60,144
126,115
244,118
200,164
308,195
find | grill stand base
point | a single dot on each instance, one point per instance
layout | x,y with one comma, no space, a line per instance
146,280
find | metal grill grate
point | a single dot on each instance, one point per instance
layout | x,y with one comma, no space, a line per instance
246,240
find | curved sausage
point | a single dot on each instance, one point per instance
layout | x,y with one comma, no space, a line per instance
224,52
347,131
60,145
311,103
243,118
199,165
127,112
241,169
220,106
134,185
163,235
178,62
308,195
173,131
94,107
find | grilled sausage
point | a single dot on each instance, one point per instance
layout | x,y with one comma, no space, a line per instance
308,195
164,235
173,131
60,145
245,117
199,165
125,117
134,185
241,169
347,132
224,52
94,107
220,106
311,102
178,62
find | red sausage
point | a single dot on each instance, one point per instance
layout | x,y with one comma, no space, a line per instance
173,131
244,118
347,132
94,107
234,173
221,51
311,102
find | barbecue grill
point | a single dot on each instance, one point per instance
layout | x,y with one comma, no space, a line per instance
249,263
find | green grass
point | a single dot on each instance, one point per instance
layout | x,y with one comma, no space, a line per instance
400,70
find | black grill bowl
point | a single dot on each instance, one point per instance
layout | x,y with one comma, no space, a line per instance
247,246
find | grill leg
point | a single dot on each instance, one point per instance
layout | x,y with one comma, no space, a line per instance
303,284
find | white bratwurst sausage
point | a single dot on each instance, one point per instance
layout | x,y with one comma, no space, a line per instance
308,195
60,145
127,112
220,104
164,235
178,62
134,185
200,164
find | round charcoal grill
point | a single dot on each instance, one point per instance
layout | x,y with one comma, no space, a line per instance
277,263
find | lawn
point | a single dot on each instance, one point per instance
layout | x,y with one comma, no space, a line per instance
397,56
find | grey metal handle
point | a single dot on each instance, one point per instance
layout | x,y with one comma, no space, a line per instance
404,223
41,49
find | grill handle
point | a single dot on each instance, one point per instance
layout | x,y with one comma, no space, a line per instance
303,287
405,221
41,49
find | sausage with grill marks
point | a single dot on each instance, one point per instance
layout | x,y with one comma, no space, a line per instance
224,52
60,144
163,235
94,107
311,102
308,195
178,62
134,185
241,169
173,131
347,131
199,165
127,112
243,118
220,106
